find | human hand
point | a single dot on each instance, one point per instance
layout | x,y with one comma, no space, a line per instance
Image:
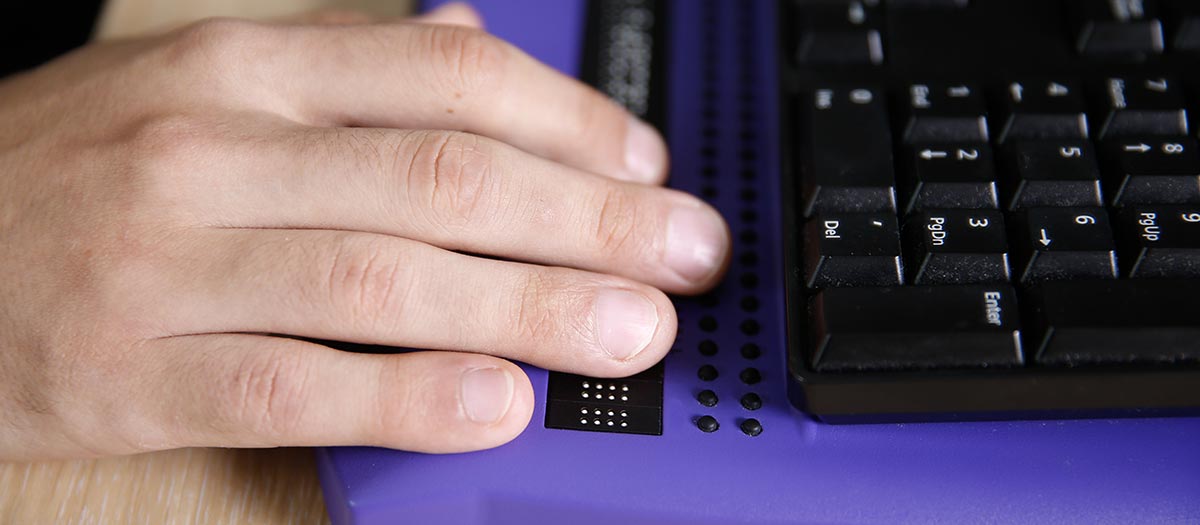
178,212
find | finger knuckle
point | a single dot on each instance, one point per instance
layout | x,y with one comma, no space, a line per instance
456,172
213,42
369,281
616,225
266,394
471,60
549,308
401,399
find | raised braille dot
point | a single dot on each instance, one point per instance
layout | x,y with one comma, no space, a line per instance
585,395
749,280
708,323
585,384
751,427
751,351
749,215
707,373
750,327
751,401
624,424
708,347
750,376
623,398
707,424
748,194
748,258
748,236
708,192
707,398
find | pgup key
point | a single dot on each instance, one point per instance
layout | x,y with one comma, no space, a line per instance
1160,241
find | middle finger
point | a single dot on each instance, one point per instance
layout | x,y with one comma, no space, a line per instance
469,193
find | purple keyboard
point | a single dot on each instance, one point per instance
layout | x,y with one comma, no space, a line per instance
723,444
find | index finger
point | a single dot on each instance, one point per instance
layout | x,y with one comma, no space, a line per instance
421,76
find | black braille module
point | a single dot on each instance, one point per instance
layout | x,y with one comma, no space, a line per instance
751,427
707,424
707,398
707,373
751,401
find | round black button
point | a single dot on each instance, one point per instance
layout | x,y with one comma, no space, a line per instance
707,373
750,426
751,401
750,376
708,347
707,398
751,351
709,424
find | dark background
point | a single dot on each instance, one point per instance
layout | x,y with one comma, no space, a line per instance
40,30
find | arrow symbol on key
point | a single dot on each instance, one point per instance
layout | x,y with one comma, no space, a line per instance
930,154
1044,240
1140,148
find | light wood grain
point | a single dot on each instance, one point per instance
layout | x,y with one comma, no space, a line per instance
201,486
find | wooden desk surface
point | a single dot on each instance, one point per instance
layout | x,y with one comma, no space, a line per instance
201,486
220,486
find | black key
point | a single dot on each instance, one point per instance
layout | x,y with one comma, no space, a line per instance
915,327
1160,241
852,249
847,152
944,112
1152,170
956,247
1117,29
1042,109
1063,243
1114,322
1060,172
1143,106
838,33
957,175
1185,29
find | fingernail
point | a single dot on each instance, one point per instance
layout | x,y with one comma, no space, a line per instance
695,243
645,153
625,322
486,394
